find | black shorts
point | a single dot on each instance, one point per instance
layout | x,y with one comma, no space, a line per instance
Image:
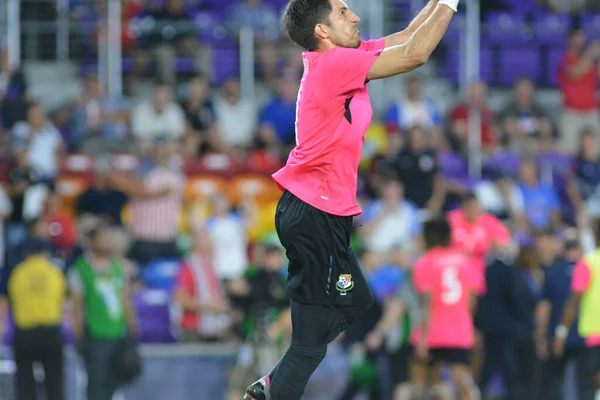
451,356
323,268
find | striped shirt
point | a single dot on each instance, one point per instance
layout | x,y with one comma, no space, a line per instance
156,220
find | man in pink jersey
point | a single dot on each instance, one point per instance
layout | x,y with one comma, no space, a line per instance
314,216
447,282
475,232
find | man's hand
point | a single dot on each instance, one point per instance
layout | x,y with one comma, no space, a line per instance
374,340
593,51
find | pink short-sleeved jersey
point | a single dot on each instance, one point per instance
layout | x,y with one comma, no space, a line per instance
450,279
579,284
475,239
333,113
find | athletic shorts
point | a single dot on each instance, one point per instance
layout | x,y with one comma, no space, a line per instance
450,356
323,268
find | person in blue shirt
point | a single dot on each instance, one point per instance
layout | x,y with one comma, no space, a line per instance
555,293
541,202
278,118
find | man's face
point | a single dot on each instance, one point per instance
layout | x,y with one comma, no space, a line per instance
343,26
101,243
472,210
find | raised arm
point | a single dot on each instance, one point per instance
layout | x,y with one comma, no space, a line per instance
402,37
417,49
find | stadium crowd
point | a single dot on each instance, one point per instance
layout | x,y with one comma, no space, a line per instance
166,190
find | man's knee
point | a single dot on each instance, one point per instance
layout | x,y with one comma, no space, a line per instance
311,354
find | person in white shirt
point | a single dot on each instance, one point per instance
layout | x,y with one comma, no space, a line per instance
236,118
159,117
44,141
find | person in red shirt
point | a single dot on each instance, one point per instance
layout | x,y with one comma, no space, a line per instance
447,283
476,101
199,297
314,217
578,75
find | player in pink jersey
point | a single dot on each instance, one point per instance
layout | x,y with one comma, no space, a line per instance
314,218
475,232
447,282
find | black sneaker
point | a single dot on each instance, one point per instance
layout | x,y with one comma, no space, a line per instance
259,390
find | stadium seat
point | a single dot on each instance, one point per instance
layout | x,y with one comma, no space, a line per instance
591,25
555,56
152,309
202,187
259,188
506,28
551,28
515,63
160,274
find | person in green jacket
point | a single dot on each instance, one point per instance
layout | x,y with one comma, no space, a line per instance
102,312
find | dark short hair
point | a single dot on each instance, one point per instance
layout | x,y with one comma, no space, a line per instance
437,232
301,17
467,198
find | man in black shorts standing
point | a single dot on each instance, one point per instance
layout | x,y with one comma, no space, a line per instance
314,216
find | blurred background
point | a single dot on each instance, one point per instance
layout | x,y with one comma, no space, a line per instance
158,123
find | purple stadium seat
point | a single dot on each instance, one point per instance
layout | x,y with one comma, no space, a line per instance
555,57
450,68
226,64
505,28
551,28
152,308
591,25
185,64
206,22
519,62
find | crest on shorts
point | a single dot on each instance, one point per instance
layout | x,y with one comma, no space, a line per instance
344,283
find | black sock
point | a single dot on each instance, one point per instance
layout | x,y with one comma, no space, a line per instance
294,370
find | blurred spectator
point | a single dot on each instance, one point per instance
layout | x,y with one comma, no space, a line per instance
199,295
228,231
584,187
102,313
44,142
263,19
522,117
35,290
503,323
236,118
277,122
101,200
475,232
564,6
542,205
529,284
161,116
501,197
21,178
200,116
98,121
476,101
547,247
578,76
260,16
555,293
13,91
413,109
156,204
262,296
5,212
390,221
62,230
174,34
417,168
